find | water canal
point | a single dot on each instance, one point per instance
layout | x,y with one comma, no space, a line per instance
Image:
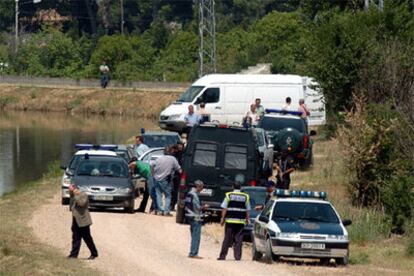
30,141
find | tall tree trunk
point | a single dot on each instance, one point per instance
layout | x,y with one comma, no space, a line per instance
91,15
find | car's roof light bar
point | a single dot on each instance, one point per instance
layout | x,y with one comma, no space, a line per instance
96,147
285,112
300,193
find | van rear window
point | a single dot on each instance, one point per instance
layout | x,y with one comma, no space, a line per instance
235,157
205,155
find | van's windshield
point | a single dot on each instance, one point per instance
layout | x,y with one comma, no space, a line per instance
189,95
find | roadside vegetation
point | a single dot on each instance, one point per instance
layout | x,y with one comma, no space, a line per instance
21,253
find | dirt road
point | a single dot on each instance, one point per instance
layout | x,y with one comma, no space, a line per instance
143,244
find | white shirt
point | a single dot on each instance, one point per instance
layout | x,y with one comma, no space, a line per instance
192,119
141,149
287,107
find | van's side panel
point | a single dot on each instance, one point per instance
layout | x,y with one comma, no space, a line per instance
236,102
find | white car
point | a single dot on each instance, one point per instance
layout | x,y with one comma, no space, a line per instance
83,149
300,224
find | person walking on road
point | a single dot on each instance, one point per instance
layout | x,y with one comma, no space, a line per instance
140,147
164,168
81,221
144,170
194,216
104,74
235,214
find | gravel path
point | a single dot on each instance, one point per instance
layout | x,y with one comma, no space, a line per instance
143,244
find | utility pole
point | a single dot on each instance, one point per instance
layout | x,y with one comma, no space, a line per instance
16,23
207,33
122,17
380,4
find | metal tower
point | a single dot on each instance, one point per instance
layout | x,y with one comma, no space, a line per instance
207,33
380,4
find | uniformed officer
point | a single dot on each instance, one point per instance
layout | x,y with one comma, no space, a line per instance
235,215
194,216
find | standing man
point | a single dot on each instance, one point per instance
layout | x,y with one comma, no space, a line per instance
251,118
304,110
287,106
235,214
202,112
178,154
104,70
81,221
194,215
144,170
164,168
191,118
140,147
259,108
284,168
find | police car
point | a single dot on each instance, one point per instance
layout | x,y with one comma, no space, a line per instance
300,224
82,149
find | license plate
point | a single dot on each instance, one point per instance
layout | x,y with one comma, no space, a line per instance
319,246
103,197
206,192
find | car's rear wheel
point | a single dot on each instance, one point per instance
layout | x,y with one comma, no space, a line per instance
65,201
268,256
256,255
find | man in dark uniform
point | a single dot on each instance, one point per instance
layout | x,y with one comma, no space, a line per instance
235,215
81,220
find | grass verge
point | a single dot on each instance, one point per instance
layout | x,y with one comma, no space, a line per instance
20,251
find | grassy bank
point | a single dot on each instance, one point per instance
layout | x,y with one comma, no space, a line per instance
130,102
20,252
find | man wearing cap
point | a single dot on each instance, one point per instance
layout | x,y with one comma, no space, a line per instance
193,214
235,215
81,220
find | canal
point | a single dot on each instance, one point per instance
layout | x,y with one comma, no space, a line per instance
30,141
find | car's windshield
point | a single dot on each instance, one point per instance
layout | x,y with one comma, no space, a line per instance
103,167
159,141
304,211
189,95
257,197
74,162
275,124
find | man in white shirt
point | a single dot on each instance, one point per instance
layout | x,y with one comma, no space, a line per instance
287,106
140,147
251,118
191,118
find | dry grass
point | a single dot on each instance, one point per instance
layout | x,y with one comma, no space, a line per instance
139,103
20,251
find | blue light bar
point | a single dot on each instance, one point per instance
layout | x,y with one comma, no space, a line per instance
96,147
302,194
281,111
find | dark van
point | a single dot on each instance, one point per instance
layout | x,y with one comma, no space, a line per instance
215,154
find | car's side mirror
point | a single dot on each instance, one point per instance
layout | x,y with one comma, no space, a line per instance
264,219
63,167
347,222
312,133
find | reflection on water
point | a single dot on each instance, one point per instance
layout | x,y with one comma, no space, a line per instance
29,141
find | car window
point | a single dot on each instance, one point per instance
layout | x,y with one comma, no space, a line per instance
158,141
275,124
189,95
306,211
211,95
102,167
205,155
75,161
260,139
257,197
235,157
267,209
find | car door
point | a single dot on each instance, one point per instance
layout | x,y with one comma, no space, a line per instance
260,226
214,103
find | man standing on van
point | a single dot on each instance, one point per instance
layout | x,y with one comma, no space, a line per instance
287,106
235,214
193,214
259,108
303,109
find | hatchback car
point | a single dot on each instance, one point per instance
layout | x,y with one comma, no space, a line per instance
106,181
300,224
69,170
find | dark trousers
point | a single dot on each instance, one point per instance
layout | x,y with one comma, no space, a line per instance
79,233
174,192
144,201
233,235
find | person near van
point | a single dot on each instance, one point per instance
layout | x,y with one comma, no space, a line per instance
284,168
191,118
259,108
303,109
235,215
81,222
144,170
140,147
287,106
104,70
164,168
194,216
204,116
251,118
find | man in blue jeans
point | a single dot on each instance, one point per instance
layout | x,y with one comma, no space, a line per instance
164,168
194,215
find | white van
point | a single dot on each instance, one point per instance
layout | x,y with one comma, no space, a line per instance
228,97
